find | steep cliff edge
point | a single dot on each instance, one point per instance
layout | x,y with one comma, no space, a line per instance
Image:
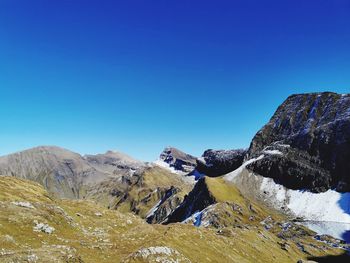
307,143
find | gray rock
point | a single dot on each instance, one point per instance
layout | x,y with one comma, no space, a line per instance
177,159
218,162
313,133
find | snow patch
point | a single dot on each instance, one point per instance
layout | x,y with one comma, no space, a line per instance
230,176
333,229
327,206
165,165
273,152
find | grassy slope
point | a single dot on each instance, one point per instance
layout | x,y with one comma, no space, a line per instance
82,236
141,195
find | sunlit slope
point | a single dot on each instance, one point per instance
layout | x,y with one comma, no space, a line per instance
36,228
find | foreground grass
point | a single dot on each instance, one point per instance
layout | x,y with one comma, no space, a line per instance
87,232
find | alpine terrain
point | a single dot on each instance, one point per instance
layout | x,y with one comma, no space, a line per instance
286,198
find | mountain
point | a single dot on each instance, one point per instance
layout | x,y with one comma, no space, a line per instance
113,162
306,143
36,227
176,160
60,171
219,162
246,205
298,161
151,192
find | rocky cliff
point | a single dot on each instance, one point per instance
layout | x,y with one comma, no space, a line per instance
177,160
307,143
218,162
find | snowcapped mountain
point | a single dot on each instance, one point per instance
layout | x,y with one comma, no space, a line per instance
176,160
219,162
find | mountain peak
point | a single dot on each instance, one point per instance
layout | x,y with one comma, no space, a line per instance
178,160
314,126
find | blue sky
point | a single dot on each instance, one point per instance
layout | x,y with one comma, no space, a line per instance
137,76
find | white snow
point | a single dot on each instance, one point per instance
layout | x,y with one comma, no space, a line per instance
230,176
326,206
201,159
184,177
273,152
283,145
165,165
333,229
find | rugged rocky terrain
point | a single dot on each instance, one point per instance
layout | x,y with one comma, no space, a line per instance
312,134
219,162
114,179
242,208
176,159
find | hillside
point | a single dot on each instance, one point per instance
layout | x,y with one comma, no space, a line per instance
34,227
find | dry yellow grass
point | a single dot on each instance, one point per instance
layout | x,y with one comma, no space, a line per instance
87,232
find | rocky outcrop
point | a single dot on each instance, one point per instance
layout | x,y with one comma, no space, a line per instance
312,134
178,160
218,162
151,193
197,200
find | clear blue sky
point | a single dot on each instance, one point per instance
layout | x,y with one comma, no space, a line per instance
136,76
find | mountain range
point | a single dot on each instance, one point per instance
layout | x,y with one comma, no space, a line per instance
259,204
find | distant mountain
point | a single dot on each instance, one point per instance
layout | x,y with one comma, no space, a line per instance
65,173
176,160
60,171
113,162
113,179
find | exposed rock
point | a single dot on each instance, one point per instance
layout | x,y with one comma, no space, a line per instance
24,204
167,204
151,192
158,254
316,128
197,200
293,168
42,227
218,162
178,160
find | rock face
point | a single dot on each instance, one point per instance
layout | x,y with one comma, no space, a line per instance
307,142
151,192
178,160
218,162
197,200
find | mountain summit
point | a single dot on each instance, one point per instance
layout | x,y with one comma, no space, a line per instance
312,131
